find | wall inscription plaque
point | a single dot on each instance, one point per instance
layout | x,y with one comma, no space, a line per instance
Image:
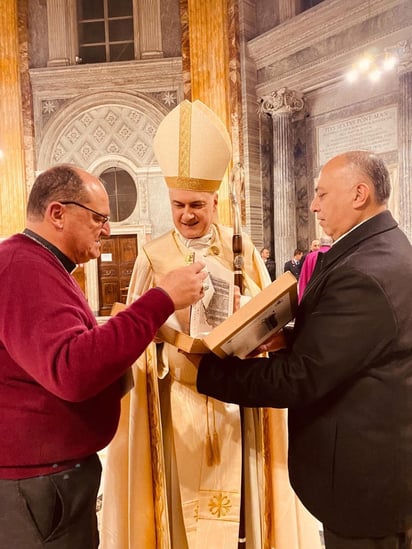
375,131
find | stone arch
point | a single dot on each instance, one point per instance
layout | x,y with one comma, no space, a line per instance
101,125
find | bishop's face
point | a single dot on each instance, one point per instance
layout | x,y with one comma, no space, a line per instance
192,211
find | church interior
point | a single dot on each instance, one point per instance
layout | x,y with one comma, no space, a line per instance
296,82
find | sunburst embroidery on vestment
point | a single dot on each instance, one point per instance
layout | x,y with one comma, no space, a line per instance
220,505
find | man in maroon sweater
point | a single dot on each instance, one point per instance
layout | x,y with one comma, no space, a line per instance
60,373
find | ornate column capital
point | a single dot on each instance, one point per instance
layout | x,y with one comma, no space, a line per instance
281,101
404,51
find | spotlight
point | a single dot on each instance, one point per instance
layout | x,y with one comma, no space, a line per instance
375,75
389,62
364,63
352,75
372,65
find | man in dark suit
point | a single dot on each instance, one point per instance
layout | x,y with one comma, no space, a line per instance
294,265
346,375
269,262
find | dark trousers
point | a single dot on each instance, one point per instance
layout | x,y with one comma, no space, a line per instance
402,540
55,511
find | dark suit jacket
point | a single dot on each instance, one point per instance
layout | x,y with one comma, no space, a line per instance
293,267
347,380
271,267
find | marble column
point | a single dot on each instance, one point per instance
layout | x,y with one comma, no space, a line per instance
207,32
281,105
26,93
405,139
12,168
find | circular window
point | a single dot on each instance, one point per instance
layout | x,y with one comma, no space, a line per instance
122,193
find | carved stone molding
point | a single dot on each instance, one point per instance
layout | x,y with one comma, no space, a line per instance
405,56
308,28
281,101
318,45
51,107
66,88
126,75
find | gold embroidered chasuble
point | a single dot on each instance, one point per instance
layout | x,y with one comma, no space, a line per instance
173,471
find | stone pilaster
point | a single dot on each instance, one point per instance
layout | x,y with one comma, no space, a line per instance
405,138
60,20
281,105
149,28
287,9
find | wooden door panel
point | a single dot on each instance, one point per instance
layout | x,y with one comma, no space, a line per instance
108,245
127,250
108,296
125,271
108,270
115,267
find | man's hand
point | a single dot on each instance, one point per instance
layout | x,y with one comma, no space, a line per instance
185,285
274,343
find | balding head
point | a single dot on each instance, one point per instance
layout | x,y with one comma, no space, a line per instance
59,183
352,187
374,169
69,207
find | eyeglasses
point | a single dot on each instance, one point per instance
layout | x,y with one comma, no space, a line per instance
105,218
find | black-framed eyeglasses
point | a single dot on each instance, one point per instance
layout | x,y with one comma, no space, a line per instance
105,218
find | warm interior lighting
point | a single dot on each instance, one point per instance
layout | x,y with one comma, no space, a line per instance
389,62
1,154
372,66
352,75
375,74
364,63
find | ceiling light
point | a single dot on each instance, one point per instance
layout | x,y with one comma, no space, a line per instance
372,66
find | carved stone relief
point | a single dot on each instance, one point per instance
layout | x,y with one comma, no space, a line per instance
106,130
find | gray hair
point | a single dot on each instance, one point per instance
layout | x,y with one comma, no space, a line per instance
375,170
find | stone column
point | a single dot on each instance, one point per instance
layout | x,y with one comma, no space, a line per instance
281,105
150,31
60,20
12,169
405,138
287,9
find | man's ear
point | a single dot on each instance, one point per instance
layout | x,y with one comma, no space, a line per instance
215,200
362,194
55,214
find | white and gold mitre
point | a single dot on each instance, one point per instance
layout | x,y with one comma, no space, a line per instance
193,148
